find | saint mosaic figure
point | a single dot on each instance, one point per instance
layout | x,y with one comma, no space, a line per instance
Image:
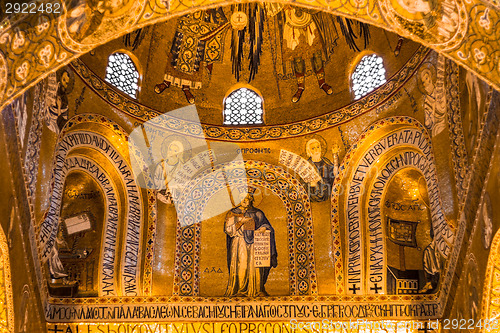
198,39
85,16
434,107
305,40
241,225
60,85
173,159
441,16
320,191
56,268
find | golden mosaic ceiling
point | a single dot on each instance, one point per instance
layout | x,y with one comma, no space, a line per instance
153,53
155,212
463,31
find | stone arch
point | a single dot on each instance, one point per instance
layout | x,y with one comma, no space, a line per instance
407,158
281,183
490,307
406,135
75,136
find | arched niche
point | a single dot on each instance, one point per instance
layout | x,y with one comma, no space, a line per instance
213,260
385,148
271,178
407,223
84,140
80,231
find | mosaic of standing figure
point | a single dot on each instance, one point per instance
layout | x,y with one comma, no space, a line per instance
60,84
249,260
315,151
197,44
303,42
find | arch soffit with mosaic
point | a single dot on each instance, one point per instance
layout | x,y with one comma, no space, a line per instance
108,283
471,39
69,140
81,156
6,295
254,173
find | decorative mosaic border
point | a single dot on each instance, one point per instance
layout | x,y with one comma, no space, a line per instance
459,153
132,108
460,156
34,142
398,299
147,278
302,271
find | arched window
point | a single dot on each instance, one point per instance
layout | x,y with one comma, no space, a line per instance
243,106
122,73
368,75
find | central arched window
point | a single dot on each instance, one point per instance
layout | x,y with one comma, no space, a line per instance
243,106
122,73
368,75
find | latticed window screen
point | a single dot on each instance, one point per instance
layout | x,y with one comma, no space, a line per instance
243,107
368,75
122,73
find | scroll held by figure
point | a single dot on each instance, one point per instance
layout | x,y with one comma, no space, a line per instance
251,248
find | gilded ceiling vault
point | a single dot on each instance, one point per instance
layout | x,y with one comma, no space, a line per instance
222,166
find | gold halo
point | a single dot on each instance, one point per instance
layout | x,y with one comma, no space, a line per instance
298,21
432,69
322,141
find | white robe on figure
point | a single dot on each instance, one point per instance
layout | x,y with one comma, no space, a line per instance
244,277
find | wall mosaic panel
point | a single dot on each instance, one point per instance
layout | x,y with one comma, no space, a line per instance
254,133
302,269
33,45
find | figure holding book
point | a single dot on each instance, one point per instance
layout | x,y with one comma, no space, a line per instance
242,225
